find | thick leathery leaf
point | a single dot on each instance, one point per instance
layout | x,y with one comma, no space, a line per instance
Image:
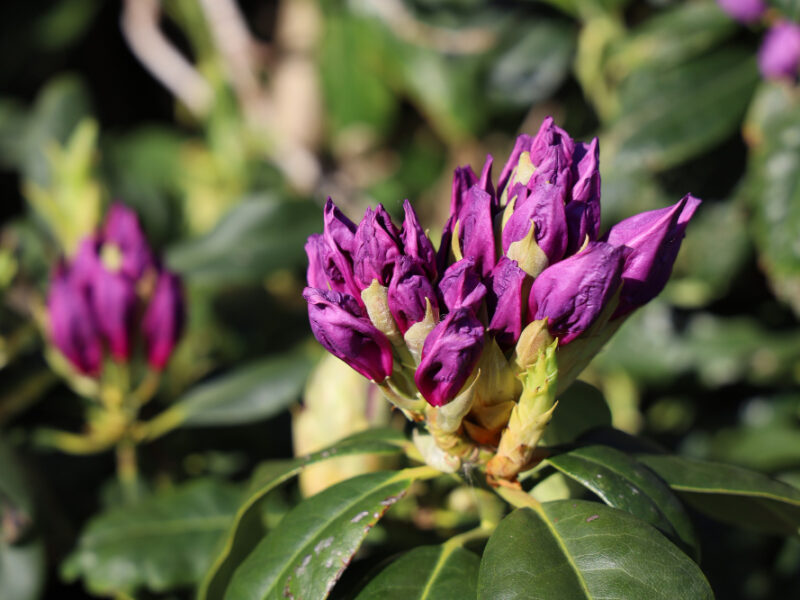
622,482
307,552
577,549
164,541
246,529
731,494
438,572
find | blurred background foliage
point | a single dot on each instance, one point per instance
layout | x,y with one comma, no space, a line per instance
225,125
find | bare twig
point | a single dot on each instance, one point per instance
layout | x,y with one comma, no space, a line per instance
140,26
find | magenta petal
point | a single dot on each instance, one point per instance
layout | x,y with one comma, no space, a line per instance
544,206
122,229
573,292
476,232
163,321
508,304
779,55
113,302
461,286
340,325
416,242
449,355
654,238
377,248
745,11
71,326
408,291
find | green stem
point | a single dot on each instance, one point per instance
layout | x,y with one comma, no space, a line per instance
518,498
128,469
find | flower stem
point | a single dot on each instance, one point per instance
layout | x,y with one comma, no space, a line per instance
128,470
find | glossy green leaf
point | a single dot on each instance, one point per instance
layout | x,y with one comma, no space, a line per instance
22,561
667,116
247,529
163,542
578,549
580,408
731,494
622,482
246,394
438,572
256,237
311,547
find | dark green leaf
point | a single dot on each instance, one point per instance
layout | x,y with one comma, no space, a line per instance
246,394
622,482
307,552
438,572
577,549
22,561
667,116
163,542
247,529
731,494
580,408
256,237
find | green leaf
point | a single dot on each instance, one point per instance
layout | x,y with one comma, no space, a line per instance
247,530
671,37
22,560
253,392
667,116
620,481
353,69
774,187
163,542
310,548
580,408
578,549
438,572
258,236
534,66
731,494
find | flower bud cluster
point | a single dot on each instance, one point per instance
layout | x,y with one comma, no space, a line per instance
112,290
521,275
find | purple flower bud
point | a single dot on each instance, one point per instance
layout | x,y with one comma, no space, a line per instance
543,206
407,293
461,286
449,355
485,181
377,248
122,229
550,152
508,302
163,321
583,208
654,238
779,55
113,303
86,262
341,326
573,292
416,243
339,230
476,232
339,235
463,179
323,271
745,11
72,328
